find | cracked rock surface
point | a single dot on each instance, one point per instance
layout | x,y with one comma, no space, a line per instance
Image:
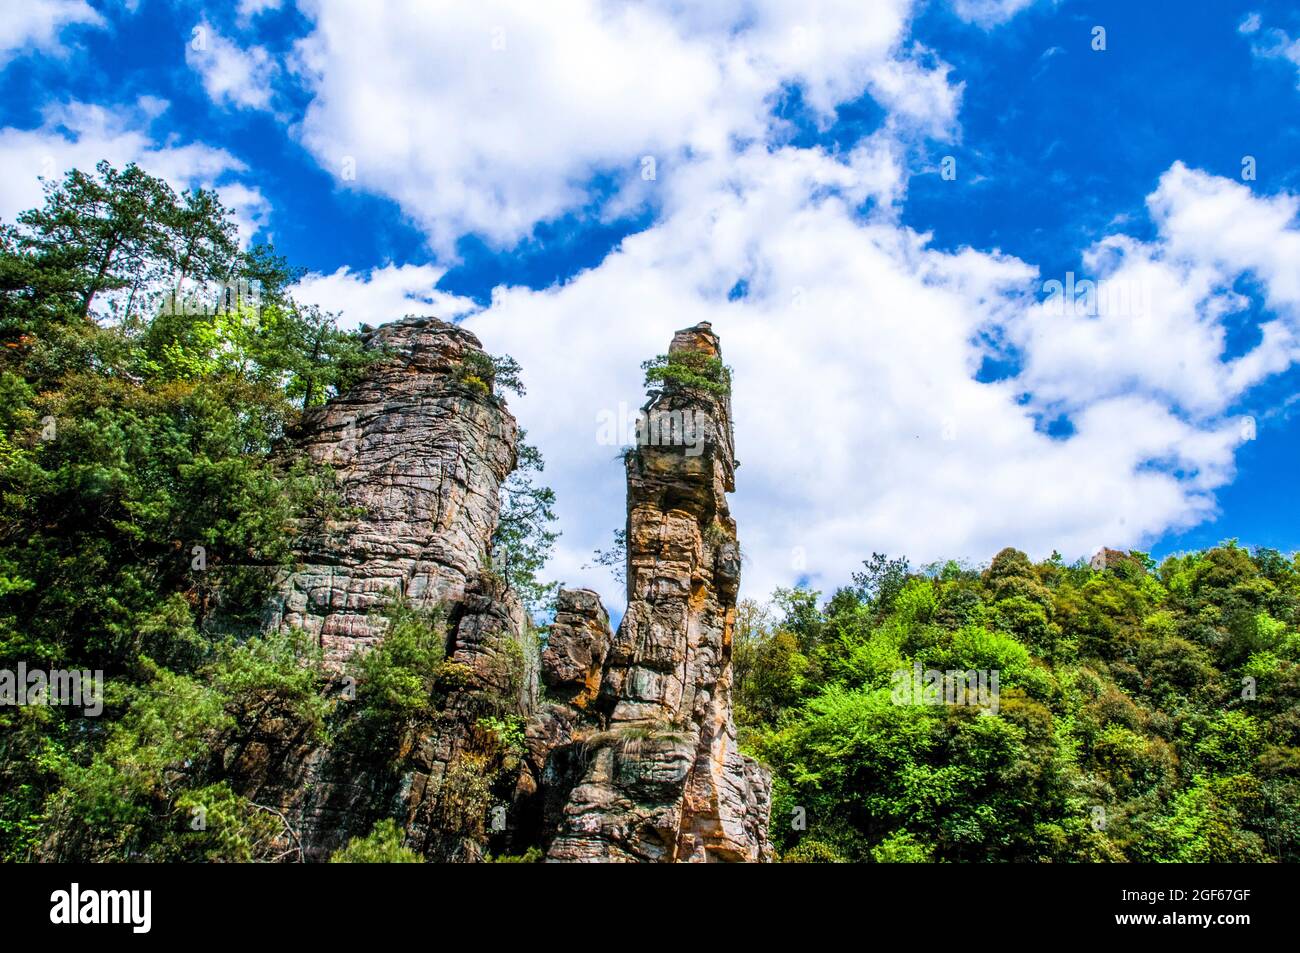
419,457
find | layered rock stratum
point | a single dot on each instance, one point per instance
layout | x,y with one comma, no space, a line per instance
419,449
419,453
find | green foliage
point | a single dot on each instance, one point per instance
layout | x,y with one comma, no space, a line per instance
485,374
129,443
159,767
383,845
532,855
688,370
507,733
508,375
881,580
396,679
122,231
810,851
280,672
523,540
771,673
145,515
1163,698
225,827
900,848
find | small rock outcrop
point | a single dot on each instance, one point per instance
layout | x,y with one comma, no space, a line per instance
662,779
576,645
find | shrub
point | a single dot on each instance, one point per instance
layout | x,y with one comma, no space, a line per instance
901,848
383,845
395,679
688,370
809,851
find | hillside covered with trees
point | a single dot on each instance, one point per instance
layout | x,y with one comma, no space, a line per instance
1146,713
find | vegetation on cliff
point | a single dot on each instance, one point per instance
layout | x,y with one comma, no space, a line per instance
689,370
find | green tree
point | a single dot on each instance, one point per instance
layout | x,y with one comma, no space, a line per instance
524,539
146,512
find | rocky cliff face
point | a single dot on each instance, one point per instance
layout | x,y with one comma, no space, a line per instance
633,755
420,448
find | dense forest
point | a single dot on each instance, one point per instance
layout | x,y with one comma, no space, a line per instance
1142,712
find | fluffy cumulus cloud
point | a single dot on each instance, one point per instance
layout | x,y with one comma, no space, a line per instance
859,421
381,294
1155,318
491,117
78,135
38,25
861,424
232,75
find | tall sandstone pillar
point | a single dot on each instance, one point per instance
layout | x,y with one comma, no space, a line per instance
420,452
420,447
664,780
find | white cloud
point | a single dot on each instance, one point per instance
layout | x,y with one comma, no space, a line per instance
78,135
382,294
1271,44
1158,325
251,209
248,9
989,13
490,117
232,75
922,95
859,423
32,25
1212,219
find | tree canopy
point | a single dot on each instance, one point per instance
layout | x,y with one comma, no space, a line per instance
1145,713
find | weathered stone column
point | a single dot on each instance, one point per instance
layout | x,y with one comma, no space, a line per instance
420,447
664,780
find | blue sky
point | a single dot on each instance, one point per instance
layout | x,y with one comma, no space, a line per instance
900,385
